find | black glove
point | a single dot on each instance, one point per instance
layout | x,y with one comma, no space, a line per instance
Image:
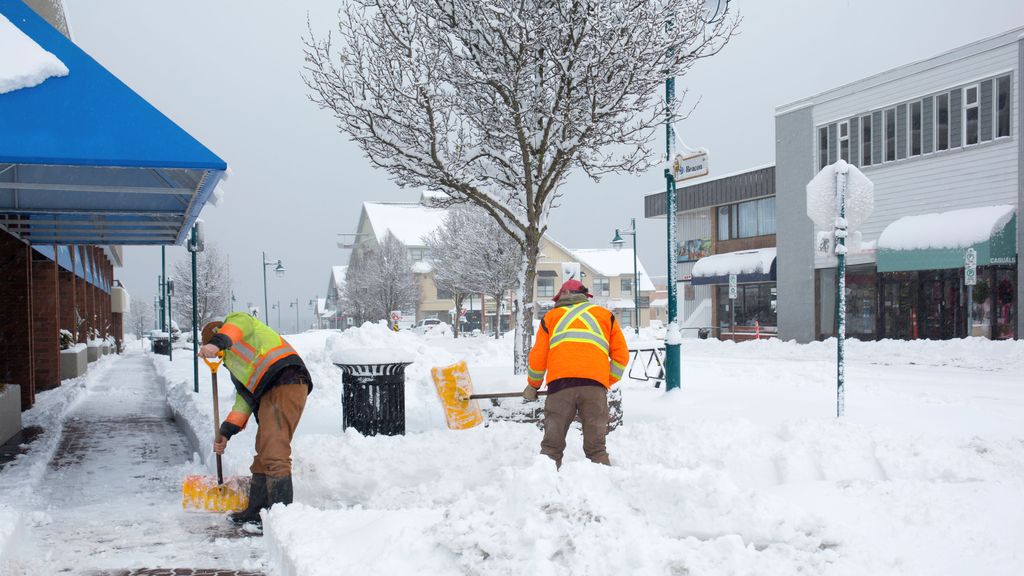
227,429
529,393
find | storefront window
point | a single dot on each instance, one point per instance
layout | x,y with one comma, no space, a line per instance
899,305
861,302
1005,304
754,302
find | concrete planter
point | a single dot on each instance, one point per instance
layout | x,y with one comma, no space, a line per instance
10,411
73,362
94,353
106,349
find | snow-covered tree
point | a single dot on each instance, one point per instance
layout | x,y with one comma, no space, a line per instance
380,280
140,317
446,254
497,102
472,254
213,289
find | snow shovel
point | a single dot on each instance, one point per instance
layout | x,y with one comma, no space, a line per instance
215,494
455,388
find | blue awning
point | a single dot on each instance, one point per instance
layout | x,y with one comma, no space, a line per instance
86,160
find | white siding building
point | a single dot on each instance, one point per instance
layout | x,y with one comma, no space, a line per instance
937,136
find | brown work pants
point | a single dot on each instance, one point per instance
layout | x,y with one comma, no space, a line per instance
279,413
560,408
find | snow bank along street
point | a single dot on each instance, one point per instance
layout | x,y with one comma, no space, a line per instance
744,471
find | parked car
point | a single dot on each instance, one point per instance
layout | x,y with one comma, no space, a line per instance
426,325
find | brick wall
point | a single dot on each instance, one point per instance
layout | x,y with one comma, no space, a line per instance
66,293
45,318
16,316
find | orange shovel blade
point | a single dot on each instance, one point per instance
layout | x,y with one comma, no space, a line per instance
203,493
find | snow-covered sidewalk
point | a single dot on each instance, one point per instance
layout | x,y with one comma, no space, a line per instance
109,497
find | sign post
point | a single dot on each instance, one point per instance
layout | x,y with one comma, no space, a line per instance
970,279
733,290
839,198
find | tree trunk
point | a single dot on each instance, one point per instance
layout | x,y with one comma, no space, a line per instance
524,301
457,314
497,315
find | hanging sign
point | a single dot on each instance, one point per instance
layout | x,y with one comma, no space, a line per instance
732,287
689,166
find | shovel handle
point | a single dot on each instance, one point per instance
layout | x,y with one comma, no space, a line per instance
503,395
214,364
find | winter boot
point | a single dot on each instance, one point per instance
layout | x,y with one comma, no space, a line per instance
258,498
280,490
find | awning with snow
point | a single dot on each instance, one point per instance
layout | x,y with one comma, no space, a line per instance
83,158
940,241
748,266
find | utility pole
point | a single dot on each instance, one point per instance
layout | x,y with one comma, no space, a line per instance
673,336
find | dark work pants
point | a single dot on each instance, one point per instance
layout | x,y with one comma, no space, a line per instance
560,409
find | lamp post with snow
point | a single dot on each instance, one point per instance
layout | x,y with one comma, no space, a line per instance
618,242
295,304
279,271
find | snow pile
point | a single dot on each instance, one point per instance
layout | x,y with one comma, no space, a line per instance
24,64
953,229
744,471
743,262
371,356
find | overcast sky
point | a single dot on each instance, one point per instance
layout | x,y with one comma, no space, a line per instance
228,72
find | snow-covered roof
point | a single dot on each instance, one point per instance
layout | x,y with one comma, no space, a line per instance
338,275
659,303
408,221
743,262
25,63
321,304
422,267
954,229
611,263
433,197
617,303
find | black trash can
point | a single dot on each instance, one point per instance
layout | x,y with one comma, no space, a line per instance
162,345
373,397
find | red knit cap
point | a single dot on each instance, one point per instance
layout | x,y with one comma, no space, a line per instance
572,286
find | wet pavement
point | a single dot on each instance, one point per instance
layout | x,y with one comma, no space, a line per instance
110,501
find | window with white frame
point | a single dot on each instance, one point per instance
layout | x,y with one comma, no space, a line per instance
626,285
915,128
942,122
747,219
545,287
890,134
865,140
844,141
822,147
971,115
626,317
1002,107
602,287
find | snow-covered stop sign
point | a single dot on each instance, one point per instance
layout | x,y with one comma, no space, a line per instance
859,197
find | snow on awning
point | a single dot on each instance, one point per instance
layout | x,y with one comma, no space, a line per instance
939,241
86,160
748,266
25,64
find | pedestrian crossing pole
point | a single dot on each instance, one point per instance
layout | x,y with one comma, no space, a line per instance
672,360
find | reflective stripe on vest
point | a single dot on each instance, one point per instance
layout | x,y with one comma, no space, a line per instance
265,362
591,334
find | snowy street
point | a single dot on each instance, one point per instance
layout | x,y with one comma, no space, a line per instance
745,471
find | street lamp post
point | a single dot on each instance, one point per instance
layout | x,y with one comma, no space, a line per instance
279,271
617,242
277,306
313,305
295,304
714,11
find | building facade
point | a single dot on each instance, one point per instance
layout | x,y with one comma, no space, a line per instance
607,272
940,140
726,227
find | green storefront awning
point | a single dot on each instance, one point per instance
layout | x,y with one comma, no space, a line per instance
940,241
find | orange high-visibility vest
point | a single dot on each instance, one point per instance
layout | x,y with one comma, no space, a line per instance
578,341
